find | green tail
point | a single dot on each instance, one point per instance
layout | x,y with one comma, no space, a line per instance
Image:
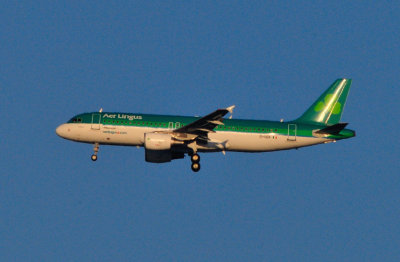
329,106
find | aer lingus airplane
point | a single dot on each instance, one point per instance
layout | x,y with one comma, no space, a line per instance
166,137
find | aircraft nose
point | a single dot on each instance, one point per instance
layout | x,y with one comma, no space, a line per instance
62,130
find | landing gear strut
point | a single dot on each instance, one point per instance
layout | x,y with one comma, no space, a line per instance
195,162
95,149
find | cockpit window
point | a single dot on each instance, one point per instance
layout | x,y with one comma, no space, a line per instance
75,120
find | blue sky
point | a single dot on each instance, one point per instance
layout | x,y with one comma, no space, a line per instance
272,59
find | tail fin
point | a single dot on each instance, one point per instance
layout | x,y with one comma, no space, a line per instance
329,106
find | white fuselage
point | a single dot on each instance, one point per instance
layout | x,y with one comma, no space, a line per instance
219,141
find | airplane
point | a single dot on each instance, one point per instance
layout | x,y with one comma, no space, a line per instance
169,137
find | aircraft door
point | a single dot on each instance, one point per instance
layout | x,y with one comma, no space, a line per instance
292,130
96,121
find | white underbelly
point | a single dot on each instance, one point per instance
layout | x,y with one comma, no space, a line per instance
256,142
229,141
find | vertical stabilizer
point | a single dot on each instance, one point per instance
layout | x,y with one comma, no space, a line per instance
329,106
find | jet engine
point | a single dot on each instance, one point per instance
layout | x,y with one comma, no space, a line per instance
158,148
157,141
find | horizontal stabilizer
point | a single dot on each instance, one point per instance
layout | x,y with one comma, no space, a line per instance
332,130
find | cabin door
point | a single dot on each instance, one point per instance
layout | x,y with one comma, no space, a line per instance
96,121
292,130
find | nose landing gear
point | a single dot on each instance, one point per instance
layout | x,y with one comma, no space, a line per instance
95,149
195,158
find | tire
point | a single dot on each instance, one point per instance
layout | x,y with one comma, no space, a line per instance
195,158
195,167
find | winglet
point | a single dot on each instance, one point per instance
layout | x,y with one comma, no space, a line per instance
230,109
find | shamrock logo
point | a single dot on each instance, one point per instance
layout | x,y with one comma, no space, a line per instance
322,104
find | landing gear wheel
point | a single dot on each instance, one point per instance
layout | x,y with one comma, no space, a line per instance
195,158
195,167
95,149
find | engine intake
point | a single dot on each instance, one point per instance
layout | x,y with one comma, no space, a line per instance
158,148
157,141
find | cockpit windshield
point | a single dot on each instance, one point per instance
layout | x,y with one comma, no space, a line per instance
75,120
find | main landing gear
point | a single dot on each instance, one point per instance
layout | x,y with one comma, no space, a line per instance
195,158
95,149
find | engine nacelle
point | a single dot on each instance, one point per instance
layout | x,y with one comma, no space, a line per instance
157,141
158,148
158,156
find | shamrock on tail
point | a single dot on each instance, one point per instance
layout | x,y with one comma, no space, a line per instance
322,104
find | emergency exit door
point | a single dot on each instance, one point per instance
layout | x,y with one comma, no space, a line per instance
292,130
96,121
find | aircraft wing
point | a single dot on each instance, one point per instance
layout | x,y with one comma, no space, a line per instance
206,124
